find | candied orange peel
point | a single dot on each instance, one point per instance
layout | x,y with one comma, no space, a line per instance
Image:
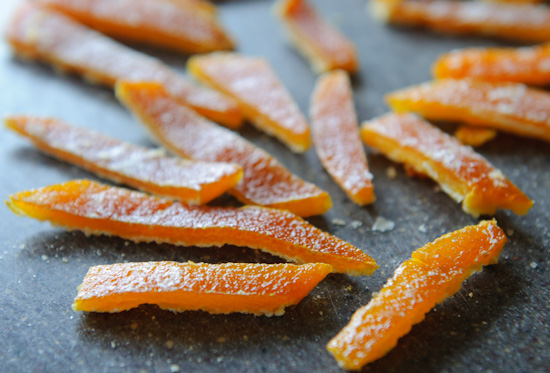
323,45
263,99
184,25
146,169
95,208
434,273
474,136
265,181
523,22
260,289
529,65
38,33
508,107
336,136
462,173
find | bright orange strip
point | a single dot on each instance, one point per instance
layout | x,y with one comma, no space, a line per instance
139,167
336,136
529,65
474,136
183,25
526,22
100,209
434,273
262,97
260,289
265,181
324,46
38,33
508,107
462,173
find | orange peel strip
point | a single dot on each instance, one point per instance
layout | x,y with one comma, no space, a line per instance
265,181
509,107
529,65
260,289
461,172
95,208
336,136
38,33
142,168
262,97
323,45
184,25
525,22
434,273
474,136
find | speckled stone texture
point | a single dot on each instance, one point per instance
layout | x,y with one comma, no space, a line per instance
498,321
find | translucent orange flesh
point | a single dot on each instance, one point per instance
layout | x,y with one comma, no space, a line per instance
181,25
525,22
325,47
508,107
462,173
529,65
38,33
146,169
260,289
434,273
336,136
95,208
263,99
265,181
474,136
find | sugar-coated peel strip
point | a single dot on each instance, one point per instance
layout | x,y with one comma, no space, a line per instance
96,208
474,136
508,107
263,99
265,181
260,289
462,173
336,137
434,273
183,25
146,169
525,22
529,65
39,33
323,45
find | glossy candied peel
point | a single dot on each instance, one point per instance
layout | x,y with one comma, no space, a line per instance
260,289
336,137
38,33
322,44
461,172
529,65
508,107
474,136
149,170
265,181
183,25
262,97
434,273
95,208
525,22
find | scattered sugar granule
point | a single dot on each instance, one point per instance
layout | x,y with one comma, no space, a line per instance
340,222
356,224
422,228
382,225
391,172
174,368
533,265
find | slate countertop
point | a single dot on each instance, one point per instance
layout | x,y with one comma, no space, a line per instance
497,322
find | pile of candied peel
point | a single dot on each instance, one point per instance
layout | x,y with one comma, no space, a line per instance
485,90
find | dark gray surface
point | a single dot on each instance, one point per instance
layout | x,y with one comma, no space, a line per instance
497,322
